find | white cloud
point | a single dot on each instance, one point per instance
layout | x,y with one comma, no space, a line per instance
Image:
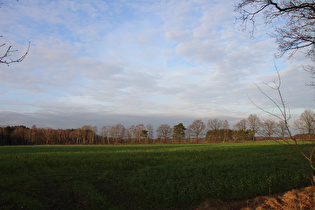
202,51
215,17
178,35
99,62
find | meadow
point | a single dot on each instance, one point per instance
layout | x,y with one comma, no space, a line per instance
145,176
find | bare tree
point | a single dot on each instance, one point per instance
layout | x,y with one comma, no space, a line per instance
254,124
240,129
269,128
295,20
150,130
117,132
137,132
284,116
197,127
105,133
84,133
130,134
215,124
93,134
240,125
307,121
295,32
282,130
164,132
226,128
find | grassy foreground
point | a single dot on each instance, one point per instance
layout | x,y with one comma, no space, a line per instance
142,177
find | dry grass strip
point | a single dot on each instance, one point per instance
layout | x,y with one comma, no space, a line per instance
297,199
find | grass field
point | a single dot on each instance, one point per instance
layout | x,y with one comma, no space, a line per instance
141,177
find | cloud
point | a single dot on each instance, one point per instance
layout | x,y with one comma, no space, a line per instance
78,119
135,62
214,18
178,35
201,51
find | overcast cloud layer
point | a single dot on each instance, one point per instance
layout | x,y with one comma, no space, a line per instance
106,62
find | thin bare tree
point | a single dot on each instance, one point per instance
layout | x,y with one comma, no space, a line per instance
284,116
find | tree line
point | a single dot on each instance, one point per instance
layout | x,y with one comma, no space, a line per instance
213,131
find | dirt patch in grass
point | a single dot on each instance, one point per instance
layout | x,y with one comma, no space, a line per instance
302,198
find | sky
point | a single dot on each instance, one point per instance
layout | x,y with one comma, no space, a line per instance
103,62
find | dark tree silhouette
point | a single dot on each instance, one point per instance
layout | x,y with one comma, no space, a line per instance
296,33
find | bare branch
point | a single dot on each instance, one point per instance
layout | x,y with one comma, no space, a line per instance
4,59
295,30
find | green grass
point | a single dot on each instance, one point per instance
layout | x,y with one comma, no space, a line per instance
142,177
